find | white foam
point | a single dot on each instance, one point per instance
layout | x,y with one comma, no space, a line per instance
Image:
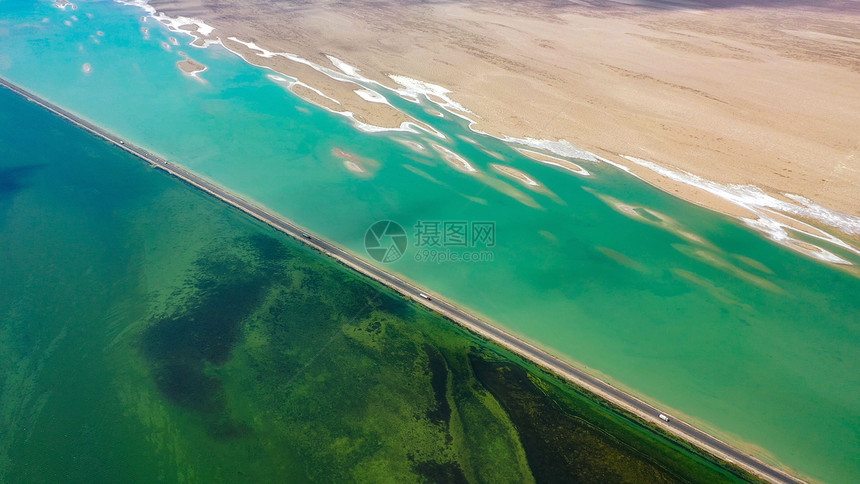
581,171
196,74
313,89
201,31
413,88
278,78
776,232
748,196
405,127
344,73
764,206
251,45
142,4
175,24
561,148
371,96
265,53
347,69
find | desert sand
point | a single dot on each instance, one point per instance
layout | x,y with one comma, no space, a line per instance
735,91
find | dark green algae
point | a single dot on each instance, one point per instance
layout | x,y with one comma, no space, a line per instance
346,373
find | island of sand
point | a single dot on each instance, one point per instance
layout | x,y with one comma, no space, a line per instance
190,66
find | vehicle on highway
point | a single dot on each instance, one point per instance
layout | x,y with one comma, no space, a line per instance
664,418
424,296
306,235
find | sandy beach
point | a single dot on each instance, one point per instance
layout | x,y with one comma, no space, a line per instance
731,91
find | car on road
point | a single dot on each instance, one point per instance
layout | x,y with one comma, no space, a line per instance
664,417
424,296
306,235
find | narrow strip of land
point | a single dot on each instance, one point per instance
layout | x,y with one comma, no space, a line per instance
614,395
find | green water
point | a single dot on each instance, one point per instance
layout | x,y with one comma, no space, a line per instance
752,341
151,334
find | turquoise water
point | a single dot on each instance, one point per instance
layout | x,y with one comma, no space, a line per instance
755,342
152,334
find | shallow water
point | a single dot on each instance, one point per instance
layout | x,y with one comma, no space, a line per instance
152,334
688,308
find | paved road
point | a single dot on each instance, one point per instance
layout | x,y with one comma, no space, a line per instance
595,385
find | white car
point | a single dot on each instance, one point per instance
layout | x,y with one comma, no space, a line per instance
424,296
664,418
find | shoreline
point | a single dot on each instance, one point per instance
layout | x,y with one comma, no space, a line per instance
771,213
687,124
755,212
626,402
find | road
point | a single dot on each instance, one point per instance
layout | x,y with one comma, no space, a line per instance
616,396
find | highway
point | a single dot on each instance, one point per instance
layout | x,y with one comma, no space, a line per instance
614,395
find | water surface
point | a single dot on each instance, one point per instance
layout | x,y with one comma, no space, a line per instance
685,307
151,334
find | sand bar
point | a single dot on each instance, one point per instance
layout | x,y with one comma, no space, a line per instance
191,67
